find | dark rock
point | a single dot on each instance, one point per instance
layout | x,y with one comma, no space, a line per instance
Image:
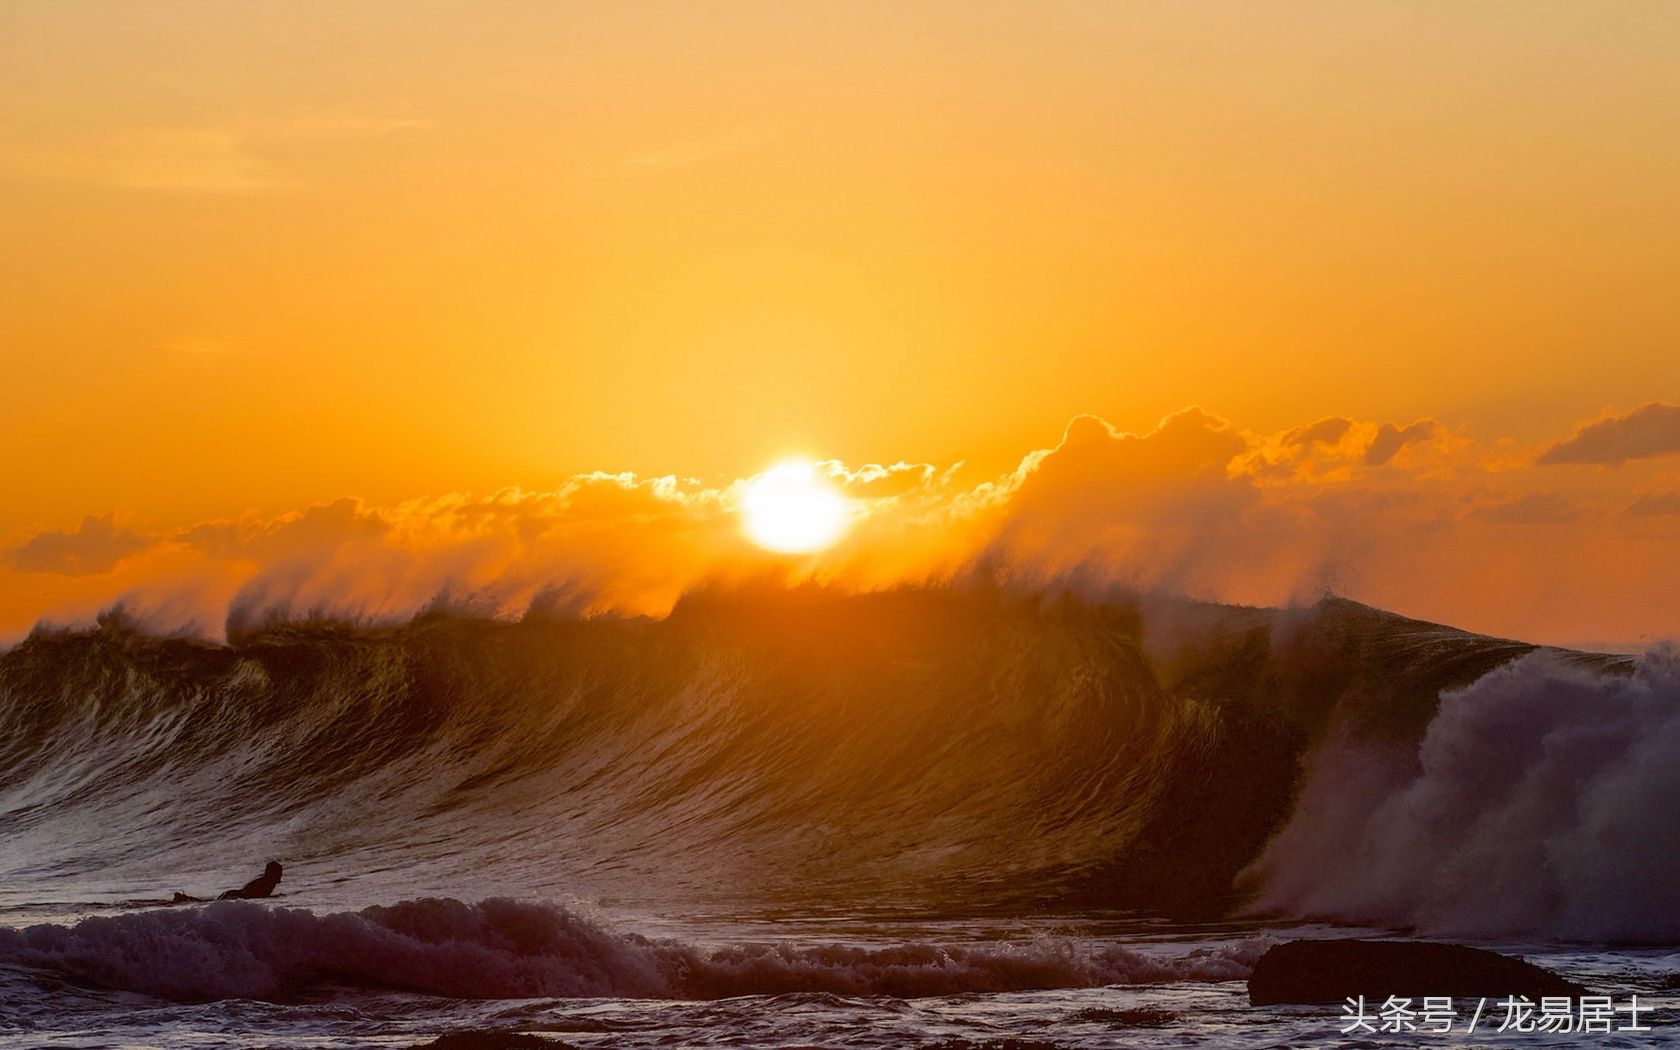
1331,971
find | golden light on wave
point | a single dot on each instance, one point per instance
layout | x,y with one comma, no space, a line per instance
791,509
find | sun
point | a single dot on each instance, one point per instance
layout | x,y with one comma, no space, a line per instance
790,509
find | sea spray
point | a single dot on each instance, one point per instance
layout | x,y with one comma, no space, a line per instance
1544,799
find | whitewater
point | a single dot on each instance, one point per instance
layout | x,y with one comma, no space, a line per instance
929,816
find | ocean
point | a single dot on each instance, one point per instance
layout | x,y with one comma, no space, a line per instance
927,817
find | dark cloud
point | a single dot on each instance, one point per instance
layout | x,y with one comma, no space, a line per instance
1536,508
1391,439
1655,504
1653,430
96,546
1324,432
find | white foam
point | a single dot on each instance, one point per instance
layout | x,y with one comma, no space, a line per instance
1544,800
511,949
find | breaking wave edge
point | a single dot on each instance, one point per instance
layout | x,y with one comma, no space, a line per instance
508,949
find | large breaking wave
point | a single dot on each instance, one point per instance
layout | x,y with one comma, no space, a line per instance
958,748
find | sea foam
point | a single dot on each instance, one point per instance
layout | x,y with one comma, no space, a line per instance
1542,801
506,949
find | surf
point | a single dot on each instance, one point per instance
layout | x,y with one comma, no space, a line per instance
506,949
950,749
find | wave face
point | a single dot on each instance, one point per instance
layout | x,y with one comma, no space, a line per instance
945,748
503,949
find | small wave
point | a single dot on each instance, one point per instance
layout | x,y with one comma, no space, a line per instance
507,949
1135,1017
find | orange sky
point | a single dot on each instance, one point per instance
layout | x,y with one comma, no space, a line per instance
258,258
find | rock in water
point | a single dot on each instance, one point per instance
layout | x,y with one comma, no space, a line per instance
1332,971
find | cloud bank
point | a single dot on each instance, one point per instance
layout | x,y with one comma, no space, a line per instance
1418,517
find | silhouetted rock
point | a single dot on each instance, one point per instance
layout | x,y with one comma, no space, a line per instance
1331,971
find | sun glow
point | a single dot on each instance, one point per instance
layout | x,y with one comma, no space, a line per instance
790,509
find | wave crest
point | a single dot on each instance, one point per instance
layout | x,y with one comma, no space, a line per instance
1543,799
507,949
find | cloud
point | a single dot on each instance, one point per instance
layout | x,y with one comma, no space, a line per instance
1655,504
1160,510
309,532
1327,431
1391,439
1185,506
1653,430
1195,505
1099,474
1536,508
96,546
